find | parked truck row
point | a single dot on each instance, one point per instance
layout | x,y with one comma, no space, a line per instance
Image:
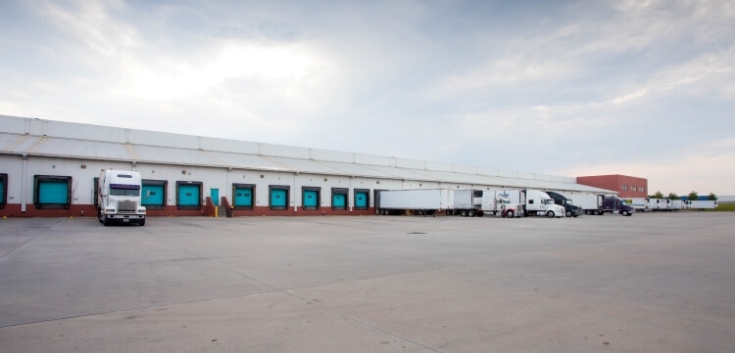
641,204
469,203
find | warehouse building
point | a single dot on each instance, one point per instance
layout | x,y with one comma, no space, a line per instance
49,168
626,186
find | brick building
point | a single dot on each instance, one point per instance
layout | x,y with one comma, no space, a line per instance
626,186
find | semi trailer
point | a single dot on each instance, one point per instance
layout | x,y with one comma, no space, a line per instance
430,202
467,203
702,204
591,204
119,199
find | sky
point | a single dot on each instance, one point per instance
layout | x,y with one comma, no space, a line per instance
572,88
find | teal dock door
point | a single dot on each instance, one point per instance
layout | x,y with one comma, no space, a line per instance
311,199
243,197
339,200
189,195
278,198
53,192
152,195
361,200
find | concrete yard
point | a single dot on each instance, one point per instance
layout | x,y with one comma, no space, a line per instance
648,283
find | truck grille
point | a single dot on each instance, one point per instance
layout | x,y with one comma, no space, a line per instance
127,206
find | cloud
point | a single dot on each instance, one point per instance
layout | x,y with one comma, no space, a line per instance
538,88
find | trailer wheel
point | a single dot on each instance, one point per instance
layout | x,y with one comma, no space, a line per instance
509,214
550,214
471,213
464,213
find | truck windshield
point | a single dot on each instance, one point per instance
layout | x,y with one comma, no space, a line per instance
124,192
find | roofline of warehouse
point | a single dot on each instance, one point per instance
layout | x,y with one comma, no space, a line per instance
499,181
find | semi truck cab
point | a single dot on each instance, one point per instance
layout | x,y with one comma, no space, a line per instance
119,199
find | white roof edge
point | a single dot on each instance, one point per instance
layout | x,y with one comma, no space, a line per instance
76,131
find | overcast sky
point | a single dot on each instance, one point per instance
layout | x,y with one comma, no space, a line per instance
642,88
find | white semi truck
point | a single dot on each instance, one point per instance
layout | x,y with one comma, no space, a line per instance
118,197
527,203
496,202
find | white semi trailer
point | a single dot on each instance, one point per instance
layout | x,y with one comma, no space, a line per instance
702,204
429,201
659,204
467,203
529,202
591,204
118,198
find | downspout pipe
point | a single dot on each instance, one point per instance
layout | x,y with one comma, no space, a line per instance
24,183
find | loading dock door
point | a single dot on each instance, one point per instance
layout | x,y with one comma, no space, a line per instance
152,195
339,200
189,195
243,197
53,192
311,198
361,198
278,198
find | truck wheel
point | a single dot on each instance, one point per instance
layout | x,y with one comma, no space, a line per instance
99,216
106,222
142,224
569,213
509,214
625,213
550,214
